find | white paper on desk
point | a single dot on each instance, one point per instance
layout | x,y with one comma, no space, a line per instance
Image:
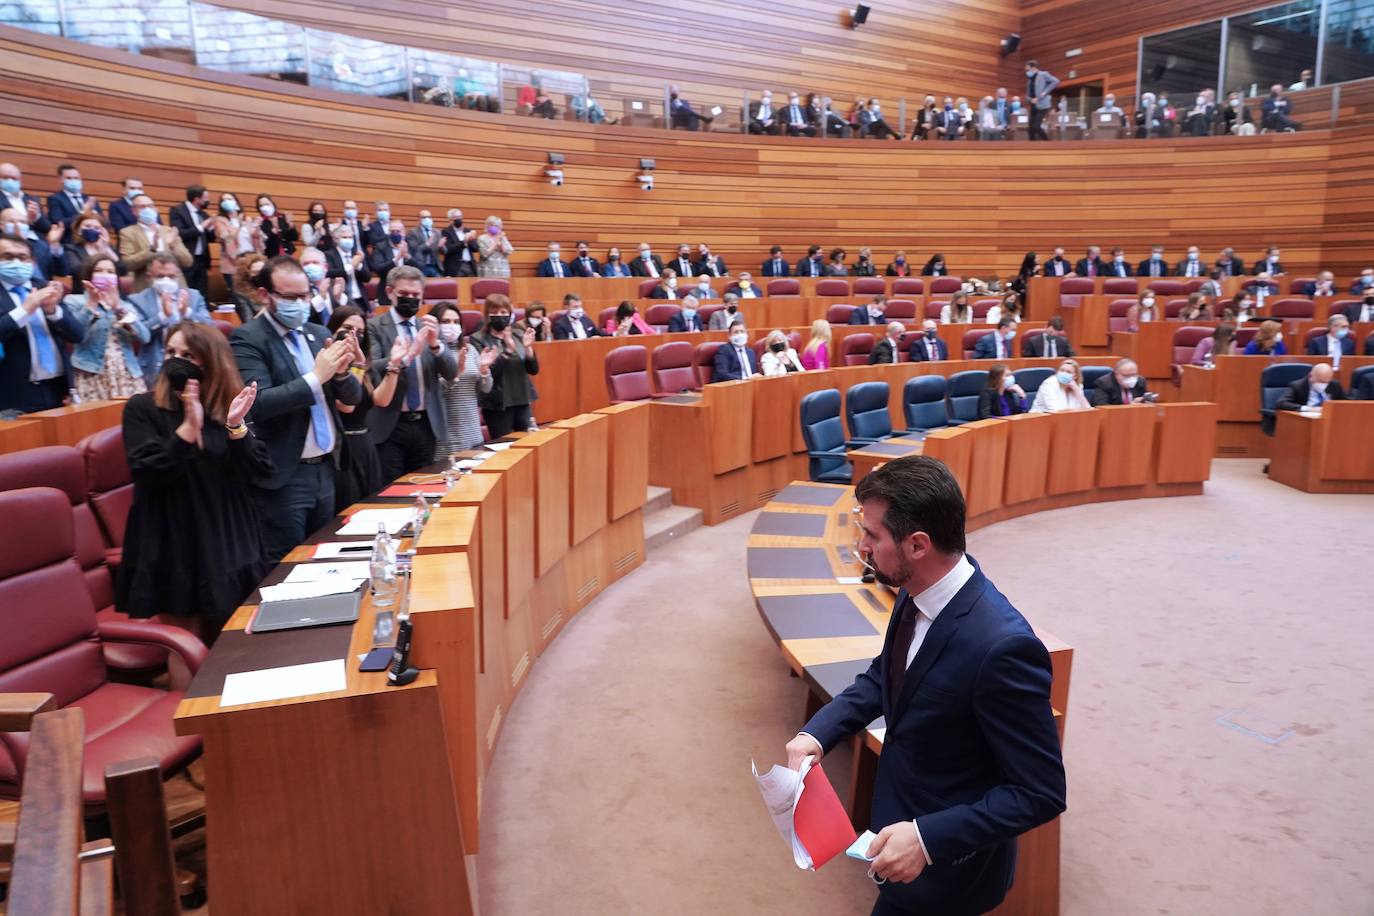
281,683
334,550
289,591
497,446
365,521
356,570
850,580
782,788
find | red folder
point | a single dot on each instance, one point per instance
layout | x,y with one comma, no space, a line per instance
820,820
410,489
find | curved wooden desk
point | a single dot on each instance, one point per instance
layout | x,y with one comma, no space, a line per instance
804,572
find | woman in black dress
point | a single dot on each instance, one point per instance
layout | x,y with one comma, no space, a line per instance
507,406
360,473
193,547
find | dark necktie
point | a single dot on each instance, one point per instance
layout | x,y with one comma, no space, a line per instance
901,645
1049,345
412,372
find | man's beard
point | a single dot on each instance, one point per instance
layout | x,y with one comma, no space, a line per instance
903,574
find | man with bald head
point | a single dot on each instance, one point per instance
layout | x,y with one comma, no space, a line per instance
1320,386
1123,385
885,351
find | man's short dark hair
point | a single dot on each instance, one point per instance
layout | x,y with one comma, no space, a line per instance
280,263
1006,322
163,257
920,494
776,249
193,192
580,244
1057,322
813,249
1032,63
571,298
64,167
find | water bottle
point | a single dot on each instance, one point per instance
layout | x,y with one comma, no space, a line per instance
533,427
420,515
382,569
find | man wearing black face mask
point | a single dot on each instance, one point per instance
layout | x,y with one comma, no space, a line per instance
928,347
458,246
389,252
1362,310
584,265
406,429
193,223
301,376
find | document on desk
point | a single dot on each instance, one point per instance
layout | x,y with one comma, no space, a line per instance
807,812
343,550
314,588
283,683
356,570
365,521
497,446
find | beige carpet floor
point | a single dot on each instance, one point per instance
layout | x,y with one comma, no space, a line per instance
1219,741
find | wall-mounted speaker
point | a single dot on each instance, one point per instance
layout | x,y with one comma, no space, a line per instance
1010,44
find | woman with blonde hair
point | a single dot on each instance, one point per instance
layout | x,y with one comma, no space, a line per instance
816,353
1064,391
495,250
1268,341
957,310
778,356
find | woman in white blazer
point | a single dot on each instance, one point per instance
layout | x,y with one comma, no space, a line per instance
778,357
1062,391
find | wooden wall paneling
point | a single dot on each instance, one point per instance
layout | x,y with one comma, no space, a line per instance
627,447
558,380
1126,445
18,435
69,425
625,544
553,497
987,465
549,606
586,570
516,466
1344,445
588,484
1073,451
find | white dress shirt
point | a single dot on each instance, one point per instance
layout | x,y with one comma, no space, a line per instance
29,321
1052,397
196,220
1333,349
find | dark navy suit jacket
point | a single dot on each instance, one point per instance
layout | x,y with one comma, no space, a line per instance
971,752
16,392
986,347
726,368
918,354
678,323
860,316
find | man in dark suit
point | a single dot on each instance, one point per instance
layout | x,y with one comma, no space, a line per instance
683,263
554,265
873,313
423,244
1229,264
1274,111
1091,264
1118,266
812,265
1123,385
388,253
351,220
574,323
928,347
458,247
47,252
1335,343
1319,386
796,118
888,350
997,344
681,114
406,429
708,264
1191,266
971,758
1270,263
121,209
763,117
300,373
686,319
1050,343
1154,265
34,324
776,265
380,227
14,197
1362,310
191,221
1363,283
346,261
735,360
646,263
65,204
584,265
1058,265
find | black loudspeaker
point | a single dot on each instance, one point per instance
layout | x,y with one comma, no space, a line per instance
1010,44
860,15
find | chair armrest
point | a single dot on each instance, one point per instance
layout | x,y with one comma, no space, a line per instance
859,443
181,643
18,709
827,455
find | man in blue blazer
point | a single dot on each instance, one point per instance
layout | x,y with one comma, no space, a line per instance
121,209
873,313
574,324
65,204
735,360
165,302
997,345
776,265
928,346
686,319
1336,342
970,755
553,265
34,324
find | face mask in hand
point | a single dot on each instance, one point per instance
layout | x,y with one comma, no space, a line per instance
536,321
449,333
291,313
407,306
180,371
498,323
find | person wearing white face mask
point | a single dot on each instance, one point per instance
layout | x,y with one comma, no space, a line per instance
735,360
1202,115
161,306
104,364
667,285
687,320
1191,266
326,293
762,116
14,197
423,244
1063,391
1123,385
704,290
554,266
462,394
646,263
873,313
139,243
346,261
537,320
1310,393
574,324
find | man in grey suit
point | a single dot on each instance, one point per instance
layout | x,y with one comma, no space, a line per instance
300,374
405,431
1039,85
166,301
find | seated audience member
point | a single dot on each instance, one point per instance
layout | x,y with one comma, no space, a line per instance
683,265
1149,118
1269,265
778,357
812,265
1002,397
1154,265
1109,106
462,395
1051,343
584,265
90,239
1118,266
1200,118
423,244
870,314
536,317
709,264
928,347
1236,117
1221,343
533,95
864,266
735,360
1090,265
1362,310
796,118
835,266
835,126
680,113
1145,307
586,108
871,123
627,321
344,261
1123,385
1320,386
1241,308
966,117
667,285
1369,351
888,350
646,263
574,324
1191,265
1197,309
1030,267
104,365
727,317
1229,264
1363,283
763,117
326,293
1304,81
1335,343
1323,285
166,302
241,291
1268,341
997,345
703,290
898,267
745,287
957,310
987,122
140,242
494,248
1169,114
554,265
926,119
193,544
1274,112
686,320
507,406
1009,307
1058,265
360,469
776,265
816,353
1211,287
948,124
615,266
935,267
1062,392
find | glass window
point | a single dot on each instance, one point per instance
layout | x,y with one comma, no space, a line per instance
544,93
1180,63
243,43
443,79
1277,45
159,28
346,63
1349,42
35,15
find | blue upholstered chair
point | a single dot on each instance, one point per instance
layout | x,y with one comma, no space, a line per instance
964,388
1274,381
923,401
865,409
824,436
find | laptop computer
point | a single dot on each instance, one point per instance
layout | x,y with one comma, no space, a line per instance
306,612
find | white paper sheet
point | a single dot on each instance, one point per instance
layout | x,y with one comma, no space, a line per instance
356,570
333,550
365,521
289,591
497,446
281,683
781,788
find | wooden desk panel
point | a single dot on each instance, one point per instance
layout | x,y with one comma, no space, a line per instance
1125,456
1028,457
1290,458
774,415
552,496
1185,442
1073,451
953,446
1326,453
627,446
515,467
17,435
1347,434
69,425
987,465
589,503
560,363
729,409
484,495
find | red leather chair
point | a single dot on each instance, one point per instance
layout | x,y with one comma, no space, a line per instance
1076,286
932,308
1116,314
908,286
1244,336
705,312
1193,285
441,288
1298,283
223,327
371,287
1293,308
946,285
627,374
109,486
705,360
907,339
870,286
673,370
472,320
606,316
489,286
855,348
1311,335
1173,308
901,310
126,285
647,287
794,340
971,339
1170,287
839,314
1186,340
783,286
1115,286
832,286
982,306
657,316
54,644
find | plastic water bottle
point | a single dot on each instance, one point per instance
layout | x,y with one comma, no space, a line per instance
533,427
420,516
383,568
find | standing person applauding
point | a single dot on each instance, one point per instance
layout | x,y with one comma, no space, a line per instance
104,364
193,547
506,407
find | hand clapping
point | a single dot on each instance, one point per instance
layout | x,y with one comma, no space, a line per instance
242,403
193,413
